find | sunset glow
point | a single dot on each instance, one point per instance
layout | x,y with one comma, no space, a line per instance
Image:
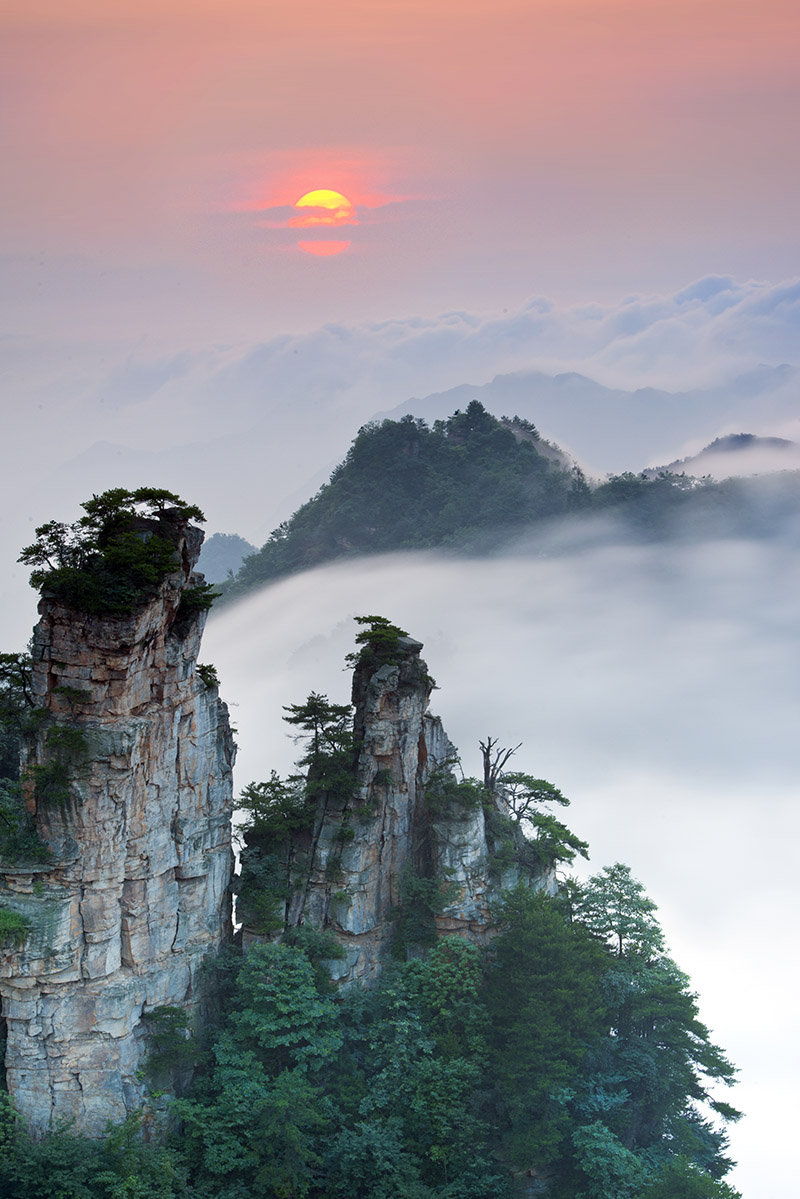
323,249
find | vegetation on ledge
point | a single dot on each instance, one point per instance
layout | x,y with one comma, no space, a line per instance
113,558
19,841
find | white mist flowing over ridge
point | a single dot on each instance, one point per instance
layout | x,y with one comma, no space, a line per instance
657,686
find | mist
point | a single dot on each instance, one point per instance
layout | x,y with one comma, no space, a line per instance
657,686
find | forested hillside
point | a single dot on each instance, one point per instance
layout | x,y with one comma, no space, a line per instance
473,482
404,485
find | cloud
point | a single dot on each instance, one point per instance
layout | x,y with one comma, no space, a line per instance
656,686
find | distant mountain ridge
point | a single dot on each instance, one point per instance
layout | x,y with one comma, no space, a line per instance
404,485
606,429
474,482
737,454
285,455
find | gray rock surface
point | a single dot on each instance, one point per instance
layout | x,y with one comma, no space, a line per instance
352,872
136,895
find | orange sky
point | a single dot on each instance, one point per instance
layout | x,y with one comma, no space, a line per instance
555,140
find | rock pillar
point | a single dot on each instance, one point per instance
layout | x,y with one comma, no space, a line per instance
130,778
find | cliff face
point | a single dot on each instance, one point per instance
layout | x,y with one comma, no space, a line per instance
400,843
129,776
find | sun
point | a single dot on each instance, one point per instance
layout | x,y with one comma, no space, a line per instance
325,208
332,209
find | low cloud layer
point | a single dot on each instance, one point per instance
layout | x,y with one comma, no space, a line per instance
656,686
250,432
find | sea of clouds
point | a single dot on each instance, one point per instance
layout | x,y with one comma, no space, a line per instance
657,686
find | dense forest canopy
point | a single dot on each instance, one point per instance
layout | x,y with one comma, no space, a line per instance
551,1056
473,481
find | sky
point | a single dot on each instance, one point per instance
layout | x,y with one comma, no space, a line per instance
573,148
603,188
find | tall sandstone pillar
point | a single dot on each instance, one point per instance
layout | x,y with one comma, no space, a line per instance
350,871
136,894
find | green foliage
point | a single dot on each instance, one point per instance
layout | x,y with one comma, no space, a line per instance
281,815
614,905
328,757
680,1179
380,642
279,1013
264,887
657,1065
551,842
548,840
651,1080
75,696
208,675
65,751
275,808
113,558
195,599
370,1161
504,841
525,794
320,948
611,1170
571,1047
14,927
546,1053
172,1050
404,485
19,840
62,1166
409,1084
546,1007
421,901
447,795
16,706
254,1125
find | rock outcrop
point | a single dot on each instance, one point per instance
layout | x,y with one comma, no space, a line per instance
405,843
129,775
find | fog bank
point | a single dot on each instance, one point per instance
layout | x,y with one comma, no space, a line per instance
656,686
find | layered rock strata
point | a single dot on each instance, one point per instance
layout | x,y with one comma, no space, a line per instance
351,875
130,779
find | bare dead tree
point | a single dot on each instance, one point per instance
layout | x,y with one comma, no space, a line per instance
494,760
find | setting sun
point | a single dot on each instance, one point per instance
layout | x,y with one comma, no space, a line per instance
332,209
323,208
